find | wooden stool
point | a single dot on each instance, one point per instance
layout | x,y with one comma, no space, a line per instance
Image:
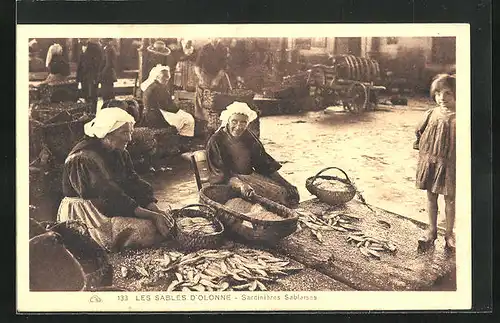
199,164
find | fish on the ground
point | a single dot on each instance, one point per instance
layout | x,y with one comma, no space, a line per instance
217,270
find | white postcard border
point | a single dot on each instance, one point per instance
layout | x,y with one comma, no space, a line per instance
359,300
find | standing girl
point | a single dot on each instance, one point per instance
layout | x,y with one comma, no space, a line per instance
437,158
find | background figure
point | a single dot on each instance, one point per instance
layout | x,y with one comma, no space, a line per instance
164,52
238,62
88,71
158,54
57,65
185,77
160,111
210,67
258,71
36,64
107,70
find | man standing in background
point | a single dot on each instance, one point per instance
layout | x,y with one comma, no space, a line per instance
88,71
107,70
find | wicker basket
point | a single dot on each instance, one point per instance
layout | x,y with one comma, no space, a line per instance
192,241
329,196
92,259
244,227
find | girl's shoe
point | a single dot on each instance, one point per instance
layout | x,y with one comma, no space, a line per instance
450,242
427,239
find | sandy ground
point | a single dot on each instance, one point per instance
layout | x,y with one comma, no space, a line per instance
374,149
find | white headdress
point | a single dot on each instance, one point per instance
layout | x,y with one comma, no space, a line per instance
106,121
54,49
237,108
153,75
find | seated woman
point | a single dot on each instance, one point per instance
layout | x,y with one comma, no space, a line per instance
36,64
57,65
160,110
236,157
103,191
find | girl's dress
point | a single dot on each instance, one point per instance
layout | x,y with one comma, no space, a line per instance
436,169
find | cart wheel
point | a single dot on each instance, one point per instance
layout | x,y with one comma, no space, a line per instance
358,98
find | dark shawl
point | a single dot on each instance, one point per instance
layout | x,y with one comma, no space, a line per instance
212,59
227,156
59,65
156,97
107,68
89,62
106,177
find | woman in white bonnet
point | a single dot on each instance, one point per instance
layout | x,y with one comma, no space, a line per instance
103,191
237,158
160,111
57,65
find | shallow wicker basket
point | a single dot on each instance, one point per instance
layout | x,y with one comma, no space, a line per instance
192,241
244,227
330,196
91,258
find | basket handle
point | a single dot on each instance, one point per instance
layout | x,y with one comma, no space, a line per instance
325,169
211,209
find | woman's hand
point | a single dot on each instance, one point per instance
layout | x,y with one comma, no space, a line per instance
162,225
293,192
158,219
240,186
246,190
153,207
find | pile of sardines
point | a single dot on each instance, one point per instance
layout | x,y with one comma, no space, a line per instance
218,270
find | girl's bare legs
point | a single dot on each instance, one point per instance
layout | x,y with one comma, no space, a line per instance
432,207
450,221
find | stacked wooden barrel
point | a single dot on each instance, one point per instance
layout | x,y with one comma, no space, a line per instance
350,67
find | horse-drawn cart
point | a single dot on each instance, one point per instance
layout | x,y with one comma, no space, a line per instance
350,82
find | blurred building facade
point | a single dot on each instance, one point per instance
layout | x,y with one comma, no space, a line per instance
414,59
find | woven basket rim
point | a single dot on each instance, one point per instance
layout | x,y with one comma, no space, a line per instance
213,220
239,215
334,197
330,177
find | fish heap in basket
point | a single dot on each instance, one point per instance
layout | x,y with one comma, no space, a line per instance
196,224
332,185
197,228
253,210
262,227
214,270
331,189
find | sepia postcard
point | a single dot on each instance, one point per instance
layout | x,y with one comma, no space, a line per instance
279,167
